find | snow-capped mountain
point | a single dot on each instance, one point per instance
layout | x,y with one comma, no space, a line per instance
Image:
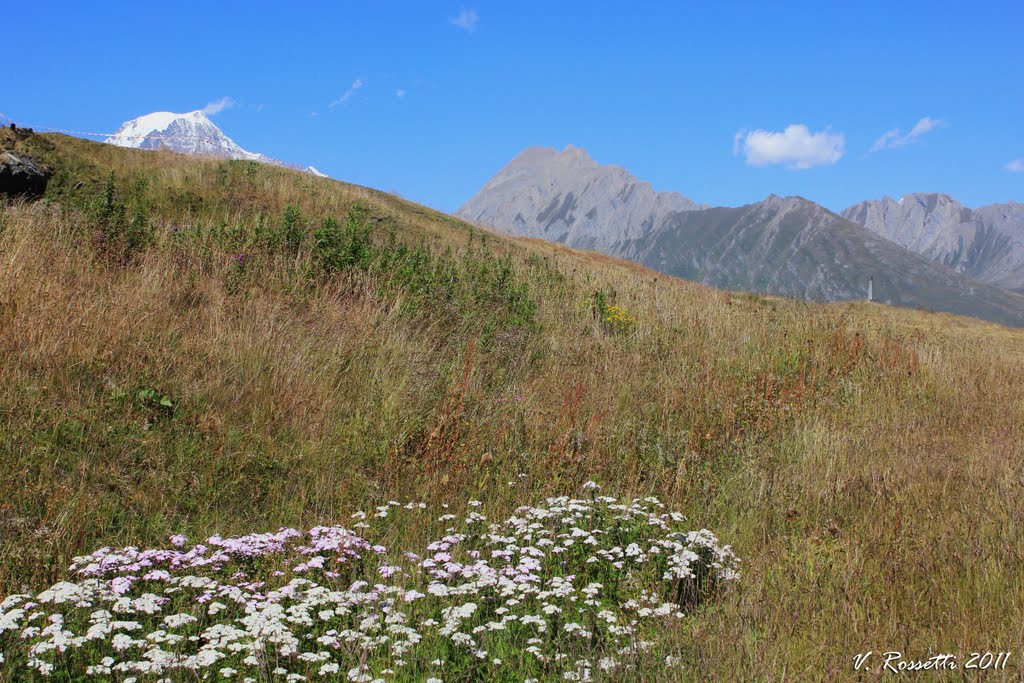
191,133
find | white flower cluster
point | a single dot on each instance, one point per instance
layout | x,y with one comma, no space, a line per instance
568,590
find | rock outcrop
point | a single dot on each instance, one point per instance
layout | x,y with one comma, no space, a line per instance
22,176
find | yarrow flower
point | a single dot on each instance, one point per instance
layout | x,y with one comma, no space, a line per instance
329,603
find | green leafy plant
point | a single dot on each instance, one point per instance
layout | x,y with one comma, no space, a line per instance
338,248
292,229
155,403
116,236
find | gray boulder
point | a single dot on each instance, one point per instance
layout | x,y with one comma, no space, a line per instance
22,176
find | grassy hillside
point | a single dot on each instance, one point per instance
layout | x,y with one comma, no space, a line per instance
197,347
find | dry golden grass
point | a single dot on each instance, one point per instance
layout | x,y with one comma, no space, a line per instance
865,462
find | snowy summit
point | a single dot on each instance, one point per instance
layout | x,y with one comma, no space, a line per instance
191,133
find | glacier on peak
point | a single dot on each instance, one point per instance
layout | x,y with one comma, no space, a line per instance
189,133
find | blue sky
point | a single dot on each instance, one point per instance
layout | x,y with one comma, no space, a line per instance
724,102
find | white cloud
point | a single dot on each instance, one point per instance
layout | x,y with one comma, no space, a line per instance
217,106
1017,165
796,147
352,89
466,19
400,93
891,139
737,141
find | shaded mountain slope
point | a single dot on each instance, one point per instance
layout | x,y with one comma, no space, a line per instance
794,247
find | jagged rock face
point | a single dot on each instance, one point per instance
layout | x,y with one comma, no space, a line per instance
568,197
782,245
1004,239
933,225
191,133
985,243
22,176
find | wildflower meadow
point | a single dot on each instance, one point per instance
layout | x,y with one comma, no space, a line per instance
571,589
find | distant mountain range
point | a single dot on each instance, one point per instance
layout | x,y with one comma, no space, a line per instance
190,133
781,245
986,243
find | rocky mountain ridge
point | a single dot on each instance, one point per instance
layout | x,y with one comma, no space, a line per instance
780,245
986,243
568,197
